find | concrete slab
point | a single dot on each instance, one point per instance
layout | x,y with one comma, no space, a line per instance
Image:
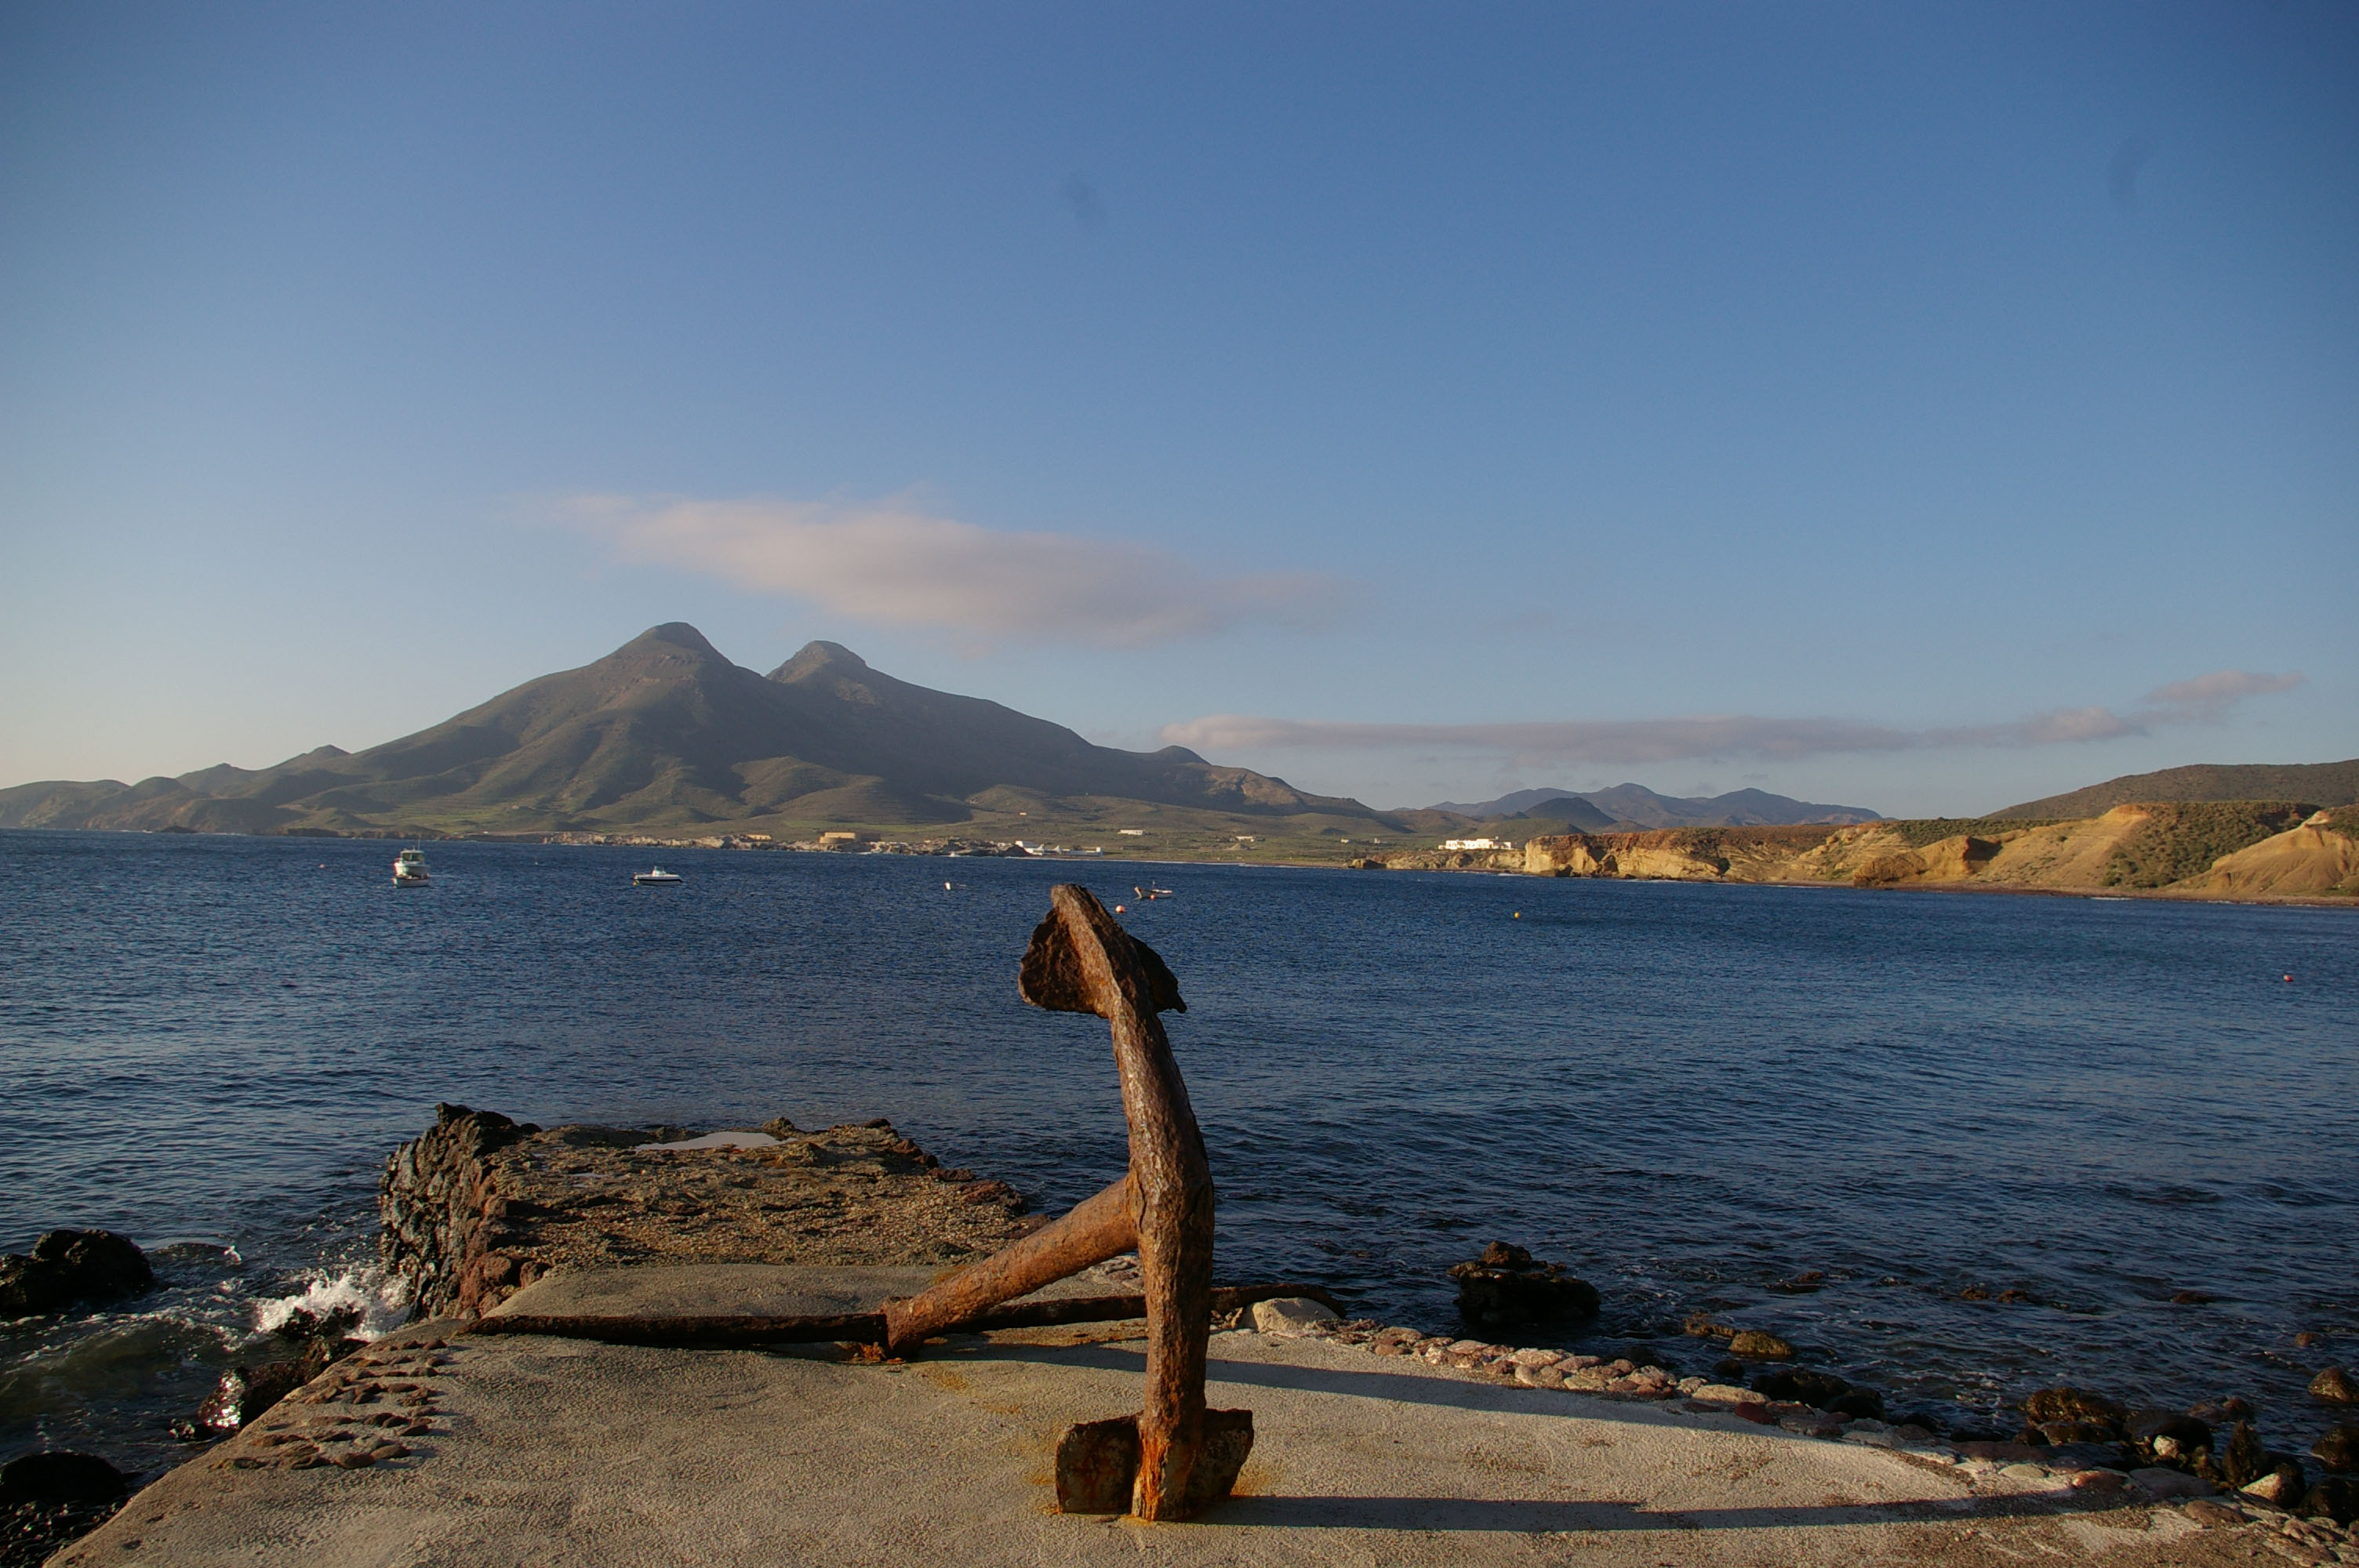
556,1452
686,1290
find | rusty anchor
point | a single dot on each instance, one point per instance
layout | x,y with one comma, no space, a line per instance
1174,1458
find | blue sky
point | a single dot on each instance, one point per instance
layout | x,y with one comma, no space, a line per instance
1916,407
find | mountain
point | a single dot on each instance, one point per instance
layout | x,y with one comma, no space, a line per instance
1637,805
1562,804
666,733
2319,784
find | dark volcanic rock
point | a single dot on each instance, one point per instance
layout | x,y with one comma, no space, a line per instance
323,1351
1803,1387
2057,1433
2244,1459
2224,1412
2336,1497
69,1266
2002,1452
2339,1449
2068,1403
304,1325
246,1392
1859,1404
1936,1419
48,1499
2335,1386
2169,1437
1506,1286
57,1477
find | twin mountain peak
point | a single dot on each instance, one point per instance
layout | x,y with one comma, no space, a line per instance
666,733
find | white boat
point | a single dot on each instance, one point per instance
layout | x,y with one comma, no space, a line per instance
658,878
409,869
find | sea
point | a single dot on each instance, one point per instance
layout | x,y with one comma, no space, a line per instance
1954,1146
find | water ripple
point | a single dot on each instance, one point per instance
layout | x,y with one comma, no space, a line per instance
1689,1094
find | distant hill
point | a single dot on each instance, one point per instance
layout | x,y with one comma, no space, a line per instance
1632,805
1558,804
2319,784
665,733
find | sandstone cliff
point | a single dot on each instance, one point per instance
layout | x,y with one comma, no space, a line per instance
2216,849
2318,856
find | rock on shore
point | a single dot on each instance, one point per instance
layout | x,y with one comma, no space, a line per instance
1506,1286
480,1205
71,1266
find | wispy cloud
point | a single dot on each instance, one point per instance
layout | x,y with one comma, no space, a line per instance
2210,696
1603,741
892,563
2205,700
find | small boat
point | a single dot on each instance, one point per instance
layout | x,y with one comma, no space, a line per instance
409,869
658,878
1150,894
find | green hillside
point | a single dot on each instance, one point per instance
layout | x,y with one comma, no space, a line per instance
2319,783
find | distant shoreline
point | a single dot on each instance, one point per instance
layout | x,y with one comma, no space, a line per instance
1113,857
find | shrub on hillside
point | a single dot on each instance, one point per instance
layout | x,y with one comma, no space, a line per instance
2181,839
1921,831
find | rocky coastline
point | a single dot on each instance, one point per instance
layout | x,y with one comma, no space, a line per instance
2091,1445
480,1206
2210,1460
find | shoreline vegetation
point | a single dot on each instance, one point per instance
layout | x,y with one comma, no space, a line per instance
2231,851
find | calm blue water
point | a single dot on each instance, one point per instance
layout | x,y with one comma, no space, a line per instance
1687,1092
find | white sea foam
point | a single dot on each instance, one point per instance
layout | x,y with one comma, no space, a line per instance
380,1304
